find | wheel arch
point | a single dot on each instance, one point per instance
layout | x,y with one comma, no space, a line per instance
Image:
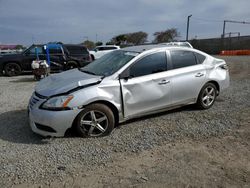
112,107
92,57
108,104
212,82
216,85
17,62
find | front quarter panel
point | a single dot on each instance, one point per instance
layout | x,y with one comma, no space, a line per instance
105,91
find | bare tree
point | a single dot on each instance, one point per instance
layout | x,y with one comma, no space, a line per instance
89,44
166,36
137,38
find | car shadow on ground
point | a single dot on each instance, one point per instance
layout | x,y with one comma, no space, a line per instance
14,127
31,79
160,114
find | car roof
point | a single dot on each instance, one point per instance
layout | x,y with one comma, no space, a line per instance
108,46
142,48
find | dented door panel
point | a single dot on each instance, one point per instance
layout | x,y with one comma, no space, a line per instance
146,93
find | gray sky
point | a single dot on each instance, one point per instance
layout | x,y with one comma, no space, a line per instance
73,21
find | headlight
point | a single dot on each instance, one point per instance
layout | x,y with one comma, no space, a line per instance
57,103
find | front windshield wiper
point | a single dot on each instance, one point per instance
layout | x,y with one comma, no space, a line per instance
88,72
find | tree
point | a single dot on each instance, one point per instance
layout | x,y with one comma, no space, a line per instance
89,44
130,38
166,36
119,39
19,47
99,43
110,43
137,38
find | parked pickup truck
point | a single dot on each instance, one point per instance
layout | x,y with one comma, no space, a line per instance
68,57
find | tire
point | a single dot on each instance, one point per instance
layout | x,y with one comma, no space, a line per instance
71,65
12,69
96,120
207,96
92,57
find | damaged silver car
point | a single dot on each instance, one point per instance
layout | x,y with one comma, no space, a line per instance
124,84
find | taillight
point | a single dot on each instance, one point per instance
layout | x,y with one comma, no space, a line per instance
89,58
224,66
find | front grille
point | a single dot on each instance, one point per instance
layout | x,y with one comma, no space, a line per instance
35,98
45,128
40,96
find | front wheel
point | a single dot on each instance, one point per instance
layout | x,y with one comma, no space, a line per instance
95,120
207,96
12,69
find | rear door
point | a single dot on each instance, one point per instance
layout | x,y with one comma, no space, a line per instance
148,87
188,76
30,55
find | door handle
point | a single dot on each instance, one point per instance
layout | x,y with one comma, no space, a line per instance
164,82
199,74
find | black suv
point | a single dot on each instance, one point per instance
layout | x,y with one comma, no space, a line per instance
68,57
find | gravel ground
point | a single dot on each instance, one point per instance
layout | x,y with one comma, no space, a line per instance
28,160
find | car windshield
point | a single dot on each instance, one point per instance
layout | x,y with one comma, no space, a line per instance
109,63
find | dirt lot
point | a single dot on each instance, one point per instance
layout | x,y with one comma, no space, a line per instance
179,148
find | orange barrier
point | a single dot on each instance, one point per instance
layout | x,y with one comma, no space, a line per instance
235,52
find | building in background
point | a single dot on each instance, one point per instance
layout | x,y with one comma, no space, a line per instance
10,48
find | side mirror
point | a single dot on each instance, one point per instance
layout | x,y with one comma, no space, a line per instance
27,53
125,75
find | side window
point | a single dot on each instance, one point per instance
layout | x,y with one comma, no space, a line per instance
182,58
77,50
55,51
101,48
33,50
150,64
110,48
200,58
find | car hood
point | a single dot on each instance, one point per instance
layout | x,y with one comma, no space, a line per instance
65,82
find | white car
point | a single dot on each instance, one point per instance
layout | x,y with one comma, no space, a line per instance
124,84
99,51
182,44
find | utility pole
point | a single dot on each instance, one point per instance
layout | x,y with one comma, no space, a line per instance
188,26
231,21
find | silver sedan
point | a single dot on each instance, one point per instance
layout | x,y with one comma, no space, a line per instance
124,84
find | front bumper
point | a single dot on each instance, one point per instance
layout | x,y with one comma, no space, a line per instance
50,123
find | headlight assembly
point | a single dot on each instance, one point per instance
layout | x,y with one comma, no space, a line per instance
57,103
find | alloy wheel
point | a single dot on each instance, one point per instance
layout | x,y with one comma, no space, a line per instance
94,123
208,96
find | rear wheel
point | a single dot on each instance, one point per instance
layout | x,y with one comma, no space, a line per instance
71,65
95,120
207,96
12,69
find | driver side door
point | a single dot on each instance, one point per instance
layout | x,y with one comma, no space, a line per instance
148,87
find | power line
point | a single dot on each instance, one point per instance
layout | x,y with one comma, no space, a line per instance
231,21
207,20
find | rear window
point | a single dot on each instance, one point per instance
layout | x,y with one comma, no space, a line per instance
181,58
77,50
200,58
